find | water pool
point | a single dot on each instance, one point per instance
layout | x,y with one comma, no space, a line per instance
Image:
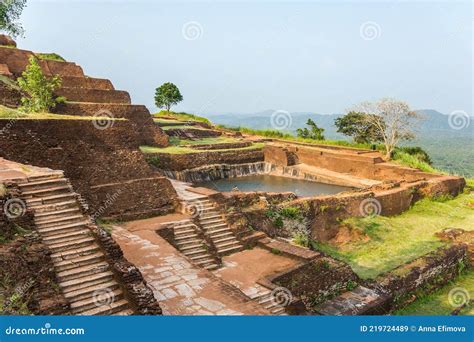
300,187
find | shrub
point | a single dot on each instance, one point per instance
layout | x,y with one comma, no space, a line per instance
39,88
301,239
290,212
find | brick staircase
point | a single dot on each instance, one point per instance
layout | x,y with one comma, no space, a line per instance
215,227
83,273
191,245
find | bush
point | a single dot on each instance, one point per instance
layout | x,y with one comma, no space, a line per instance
39,88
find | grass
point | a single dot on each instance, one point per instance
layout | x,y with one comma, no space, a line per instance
177,122
183,127
203,141
437,303
405,159
50,57
14,114
187,150
182,116
400,239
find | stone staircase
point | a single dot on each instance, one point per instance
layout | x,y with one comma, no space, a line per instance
191,245
215,227
264,297
83,273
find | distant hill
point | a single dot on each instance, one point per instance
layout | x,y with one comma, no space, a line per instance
451,149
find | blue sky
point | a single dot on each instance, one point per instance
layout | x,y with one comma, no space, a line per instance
320,56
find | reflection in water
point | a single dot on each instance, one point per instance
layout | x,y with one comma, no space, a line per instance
274,184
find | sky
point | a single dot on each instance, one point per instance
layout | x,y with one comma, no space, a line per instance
249,56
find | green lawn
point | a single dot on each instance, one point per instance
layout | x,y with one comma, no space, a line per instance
14,114
403,238
186,150
182,116
438,303
205,141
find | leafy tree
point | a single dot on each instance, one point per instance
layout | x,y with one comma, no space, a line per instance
392,119
315,132
359,127
10,12
39,88
167,95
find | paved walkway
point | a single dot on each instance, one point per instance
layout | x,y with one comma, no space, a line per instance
180,287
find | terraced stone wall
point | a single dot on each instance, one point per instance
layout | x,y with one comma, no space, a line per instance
98,162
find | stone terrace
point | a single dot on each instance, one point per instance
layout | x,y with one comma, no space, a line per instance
180,287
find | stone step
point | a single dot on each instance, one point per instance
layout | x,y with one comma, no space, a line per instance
94,95
111,309
78,261
57,213
66,236
226,244
86,292
126,312
186,226
185,237
221,230
41,183
224,239
62,228
75,253
48,208
50,199
42,177
229,250
221,234
183,232
74,243
80,283
194,253
187,242
94,302
210,227
188,247
204,255
211,219
46,190
205,261
47,222
81,271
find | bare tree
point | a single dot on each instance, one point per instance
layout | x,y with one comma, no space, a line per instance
392,119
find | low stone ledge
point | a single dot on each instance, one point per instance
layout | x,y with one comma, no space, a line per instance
289,249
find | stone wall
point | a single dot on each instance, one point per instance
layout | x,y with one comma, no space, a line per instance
423,275
317,281
359,163
90,158
180,162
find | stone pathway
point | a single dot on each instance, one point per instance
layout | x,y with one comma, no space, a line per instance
180,287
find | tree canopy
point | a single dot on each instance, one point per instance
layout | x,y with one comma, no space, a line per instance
359,127
314,132
10,12
167,95
393,120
